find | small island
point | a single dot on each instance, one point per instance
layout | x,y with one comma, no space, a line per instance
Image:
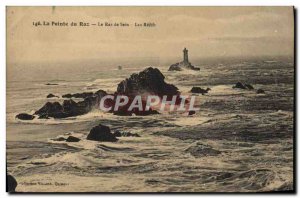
185,64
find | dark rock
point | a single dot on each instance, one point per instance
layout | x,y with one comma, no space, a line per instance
25,116
101,133
11,183
260,91
239,85
72,139
54,110
51,84
59,139
150,80
70,108
200,90
175,67
201,150
191,113
51,96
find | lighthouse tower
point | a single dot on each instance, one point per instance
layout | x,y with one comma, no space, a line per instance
185,56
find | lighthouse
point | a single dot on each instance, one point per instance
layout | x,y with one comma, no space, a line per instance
185,56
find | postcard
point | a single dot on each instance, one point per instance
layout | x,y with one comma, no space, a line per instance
150,99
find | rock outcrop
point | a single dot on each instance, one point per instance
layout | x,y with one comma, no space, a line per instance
150,80
51,96
69,107
11,183
25,116
240,85
191,113
200,90
101,133
72,139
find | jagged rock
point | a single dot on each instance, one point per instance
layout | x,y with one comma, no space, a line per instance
148,82
101,133
260,91
125,134
70,108
191,113
11,183
51,96
240,85
72,139
25,116
201,150
78,95
54,110
151,80
175,67
200,90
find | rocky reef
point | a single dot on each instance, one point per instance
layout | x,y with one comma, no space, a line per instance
183,65
69,107
148,82
200,90
240,85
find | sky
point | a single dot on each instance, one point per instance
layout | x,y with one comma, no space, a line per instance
205,31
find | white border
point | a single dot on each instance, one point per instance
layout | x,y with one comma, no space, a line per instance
5,3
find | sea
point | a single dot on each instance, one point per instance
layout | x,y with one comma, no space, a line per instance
239,140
